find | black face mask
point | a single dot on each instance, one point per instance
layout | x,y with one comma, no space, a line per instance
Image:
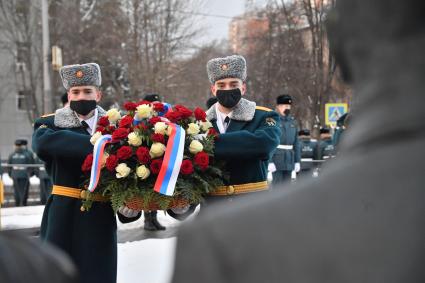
82,107
229,98
287,112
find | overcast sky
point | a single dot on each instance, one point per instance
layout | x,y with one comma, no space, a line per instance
217,27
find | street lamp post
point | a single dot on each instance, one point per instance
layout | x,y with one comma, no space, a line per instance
47,93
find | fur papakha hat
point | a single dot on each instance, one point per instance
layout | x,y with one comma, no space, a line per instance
80,75
228,67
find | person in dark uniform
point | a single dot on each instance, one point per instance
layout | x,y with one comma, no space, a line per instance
363,220
20,174
151,220
248,134
308,148
62,141
45,182
287,156
342,125
325,147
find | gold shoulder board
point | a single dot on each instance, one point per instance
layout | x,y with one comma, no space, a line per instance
263,108
47,115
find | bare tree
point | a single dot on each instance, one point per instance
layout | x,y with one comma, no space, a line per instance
160,31
20,35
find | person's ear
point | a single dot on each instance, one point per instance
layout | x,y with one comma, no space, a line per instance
98,95
213,90
243,88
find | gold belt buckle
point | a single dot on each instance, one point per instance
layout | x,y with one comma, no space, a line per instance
230,190
83,194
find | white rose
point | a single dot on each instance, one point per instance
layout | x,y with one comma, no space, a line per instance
193,129
142,172
206,125
122,170
195,147
157,150
144,111
160,128
113,115
134,139
95,137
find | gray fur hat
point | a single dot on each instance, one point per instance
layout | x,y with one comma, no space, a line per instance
228,67
80,75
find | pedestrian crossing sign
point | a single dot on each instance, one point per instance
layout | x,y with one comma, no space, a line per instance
333,111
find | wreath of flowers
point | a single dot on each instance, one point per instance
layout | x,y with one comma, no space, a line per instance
132,160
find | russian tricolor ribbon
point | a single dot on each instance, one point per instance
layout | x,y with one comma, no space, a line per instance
173,157
98,152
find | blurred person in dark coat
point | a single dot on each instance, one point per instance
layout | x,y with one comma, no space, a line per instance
362,220
25,260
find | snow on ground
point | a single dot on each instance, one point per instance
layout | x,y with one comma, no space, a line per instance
147,261
30,217
21,217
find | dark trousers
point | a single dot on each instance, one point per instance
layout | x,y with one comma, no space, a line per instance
45,190
280,177
21,188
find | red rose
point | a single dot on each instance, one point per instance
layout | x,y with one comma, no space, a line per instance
125,152
158,107
100,129
187,167
154,120
156,166
184,112
143,156
86,167
143,102
142,126
158,138
200,114
119,134
173,116
111,162
126,122
213,132
202,159
130,106
103,121
110,129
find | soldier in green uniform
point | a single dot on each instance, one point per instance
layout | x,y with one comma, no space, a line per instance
62,141
287,156
248,134
325,148
308,148
20,174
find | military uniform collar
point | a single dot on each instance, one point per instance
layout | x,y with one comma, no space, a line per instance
243,111
66,118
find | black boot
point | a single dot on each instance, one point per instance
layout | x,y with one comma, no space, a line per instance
155,221
149,225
